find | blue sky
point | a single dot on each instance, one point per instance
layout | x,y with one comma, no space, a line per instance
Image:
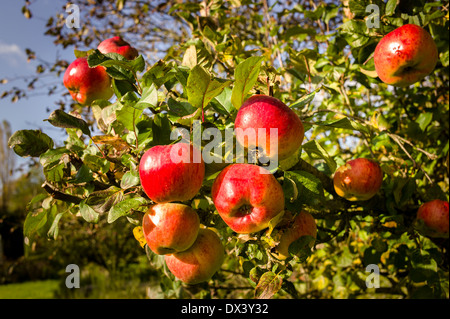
16,34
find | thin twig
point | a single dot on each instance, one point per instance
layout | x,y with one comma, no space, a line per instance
416,165
429,155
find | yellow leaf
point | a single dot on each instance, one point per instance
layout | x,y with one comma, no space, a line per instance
369,73
139,235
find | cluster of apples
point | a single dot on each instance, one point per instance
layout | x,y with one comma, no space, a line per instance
191,252
247,196
403,57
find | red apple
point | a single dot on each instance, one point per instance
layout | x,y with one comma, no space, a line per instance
200,262
171,173
358,179
87,84
118,45
266,112
170,227
405,56
302,225
432,218
247,197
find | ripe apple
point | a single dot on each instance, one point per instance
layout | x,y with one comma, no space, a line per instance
266,112
246,198
87,84
405,55
358,179
170,227
302,225
118,45
201,261
432,218
171,173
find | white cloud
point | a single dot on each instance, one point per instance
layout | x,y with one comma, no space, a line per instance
12,54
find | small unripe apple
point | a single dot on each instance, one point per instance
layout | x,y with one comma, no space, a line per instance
260,113
169,228
302,225
170,173
118,45
432,218
87,84
201,261
246,198
405,56
358,179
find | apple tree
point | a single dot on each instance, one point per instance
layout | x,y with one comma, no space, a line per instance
317,57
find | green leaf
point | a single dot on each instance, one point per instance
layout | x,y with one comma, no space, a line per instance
30,143
313,147
273,222
223,101
54,172
59,118
145,136
245,74
88,213
178,109
84,175
309,187
117,66
301,247
269,284
391,5
190,57
444,57
307,180
201,88
102,201
122,87
424,119
128,116
369,73
96,163
354,27
161,129
160,73
53,155
358,7
149,98
34,221
298,32
54,229
124,208
304,100
345,123
130,179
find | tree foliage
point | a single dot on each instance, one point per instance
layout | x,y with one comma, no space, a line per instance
317,57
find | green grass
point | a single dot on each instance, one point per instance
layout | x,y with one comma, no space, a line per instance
29,290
